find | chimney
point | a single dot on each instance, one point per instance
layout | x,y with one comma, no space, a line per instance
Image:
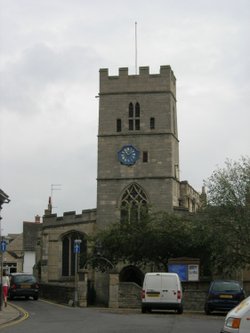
37,219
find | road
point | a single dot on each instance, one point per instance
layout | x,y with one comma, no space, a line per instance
52,318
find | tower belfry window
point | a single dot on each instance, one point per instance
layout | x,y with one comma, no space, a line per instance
134,117
131,110
137,110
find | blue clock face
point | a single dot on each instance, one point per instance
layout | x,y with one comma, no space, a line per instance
128,155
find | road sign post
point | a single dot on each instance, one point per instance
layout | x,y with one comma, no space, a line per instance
3,246
77,243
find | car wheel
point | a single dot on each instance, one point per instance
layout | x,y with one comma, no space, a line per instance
143,310
35,298
207,311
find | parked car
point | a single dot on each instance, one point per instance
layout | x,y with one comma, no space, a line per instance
238,319
223,295
161,291
23,285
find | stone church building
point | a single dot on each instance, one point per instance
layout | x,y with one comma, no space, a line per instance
138,169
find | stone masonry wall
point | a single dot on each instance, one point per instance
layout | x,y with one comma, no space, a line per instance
58,293
194,295
129,295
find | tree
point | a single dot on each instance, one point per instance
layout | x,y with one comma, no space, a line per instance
152,240
226,218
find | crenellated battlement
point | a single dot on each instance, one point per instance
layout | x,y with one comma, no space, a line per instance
143,82
87,216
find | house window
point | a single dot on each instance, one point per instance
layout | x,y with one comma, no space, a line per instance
134,204
68,256
145,157
152,123
134,117
118,125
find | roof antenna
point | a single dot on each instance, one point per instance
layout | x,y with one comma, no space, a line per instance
136,48
53,187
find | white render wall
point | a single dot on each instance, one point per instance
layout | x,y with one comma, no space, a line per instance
29,261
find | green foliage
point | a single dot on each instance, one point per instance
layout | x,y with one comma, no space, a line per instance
219,234
229,186
152,240
226,219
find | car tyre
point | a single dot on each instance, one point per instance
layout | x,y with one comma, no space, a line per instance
207,311
35,298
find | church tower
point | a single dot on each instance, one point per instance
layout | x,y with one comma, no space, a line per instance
138,146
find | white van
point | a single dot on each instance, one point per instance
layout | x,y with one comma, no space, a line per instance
238,319
162,291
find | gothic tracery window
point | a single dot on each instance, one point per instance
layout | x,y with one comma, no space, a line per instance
134,204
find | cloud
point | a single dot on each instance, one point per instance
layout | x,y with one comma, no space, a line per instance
51,52
41,71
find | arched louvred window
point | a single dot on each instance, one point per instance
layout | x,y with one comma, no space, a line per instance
134,117
134,204
131,110
68,255
137,110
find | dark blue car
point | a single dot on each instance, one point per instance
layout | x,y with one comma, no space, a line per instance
223,295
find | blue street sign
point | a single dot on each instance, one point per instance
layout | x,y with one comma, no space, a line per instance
76,248
3,246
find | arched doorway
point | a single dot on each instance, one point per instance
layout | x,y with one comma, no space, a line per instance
131,274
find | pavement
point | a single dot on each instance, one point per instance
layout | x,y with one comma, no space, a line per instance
9,313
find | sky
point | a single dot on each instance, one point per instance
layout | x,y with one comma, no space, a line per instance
50,55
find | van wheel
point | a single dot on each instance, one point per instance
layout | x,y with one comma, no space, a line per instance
180,310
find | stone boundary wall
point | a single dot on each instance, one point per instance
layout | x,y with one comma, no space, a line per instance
58,293
129,295
194,295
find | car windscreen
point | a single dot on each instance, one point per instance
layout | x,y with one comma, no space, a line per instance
226,286
24,279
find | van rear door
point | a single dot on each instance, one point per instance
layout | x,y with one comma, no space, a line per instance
161,288
169,293
153,288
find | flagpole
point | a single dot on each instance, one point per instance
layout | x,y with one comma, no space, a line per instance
135,47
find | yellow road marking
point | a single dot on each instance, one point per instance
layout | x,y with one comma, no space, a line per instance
24,316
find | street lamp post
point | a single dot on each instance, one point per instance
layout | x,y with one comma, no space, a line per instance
77,243
4,198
